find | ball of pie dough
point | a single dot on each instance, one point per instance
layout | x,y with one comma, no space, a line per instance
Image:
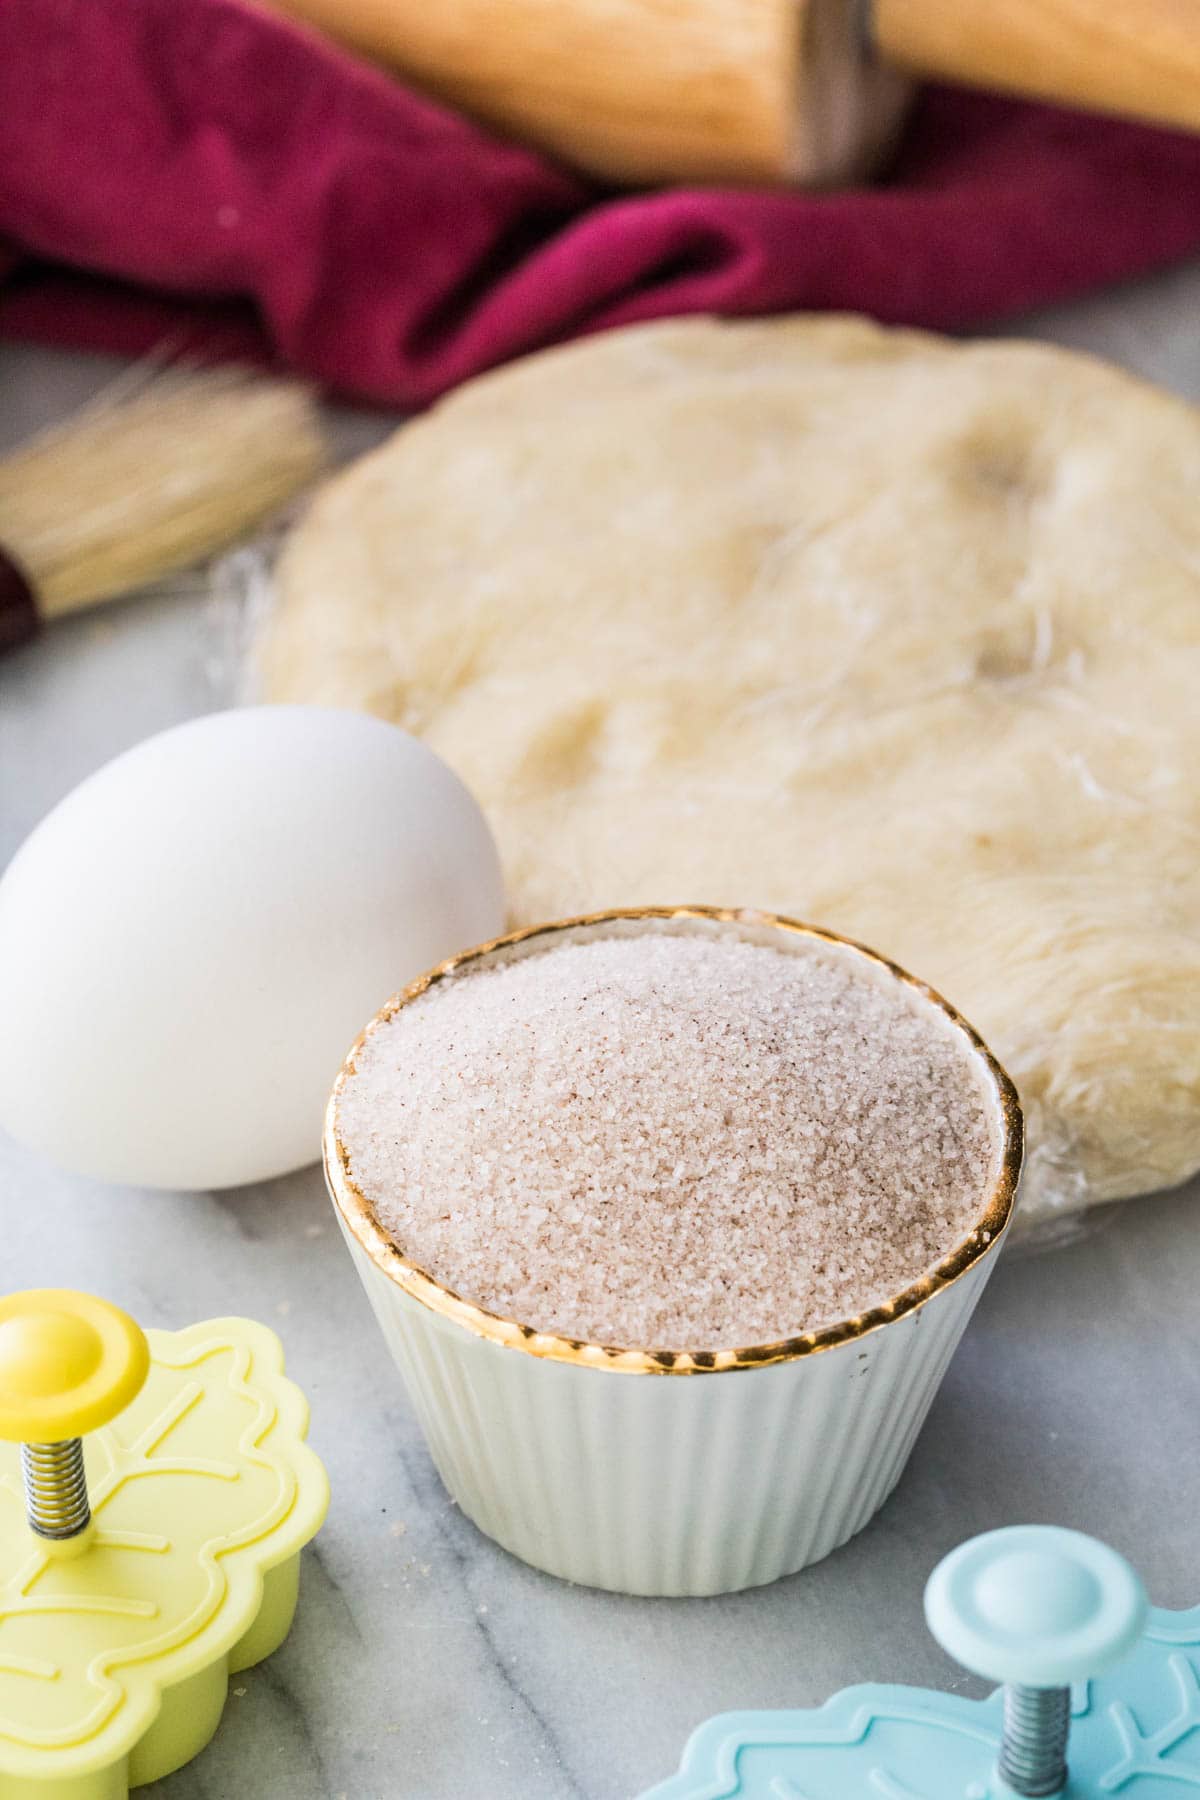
894,634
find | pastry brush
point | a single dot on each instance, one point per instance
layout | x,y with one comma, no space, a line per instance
161,470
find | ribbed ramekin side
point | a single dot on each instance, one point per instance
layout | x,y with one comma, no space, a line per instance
668,1485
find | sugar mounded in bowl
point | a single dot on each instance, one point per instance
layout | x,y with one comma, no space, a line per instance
639,1201
672,1140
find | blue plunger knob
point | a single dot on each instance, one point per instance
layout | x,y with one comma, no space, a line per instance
1035,1604
1037,1608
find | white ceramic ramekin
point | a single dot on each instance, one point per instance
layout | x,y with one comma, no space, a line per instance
672,1472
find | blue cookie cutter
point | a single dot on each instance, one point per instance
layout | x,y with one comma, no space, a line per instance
1101,1696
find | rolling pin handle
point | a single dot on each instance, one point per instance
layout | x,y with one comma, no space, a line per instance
1136,57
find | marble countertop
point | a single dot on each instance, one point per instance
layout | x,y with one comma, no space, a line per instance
424,1660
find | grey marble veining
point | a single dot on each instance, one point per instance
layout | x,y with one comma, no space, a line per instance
425,1662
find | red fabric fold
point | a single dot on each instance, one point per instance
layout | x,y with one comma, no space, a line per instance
221,178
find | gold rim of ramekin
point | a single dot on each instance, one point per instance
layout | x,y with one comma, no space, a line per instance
360,1219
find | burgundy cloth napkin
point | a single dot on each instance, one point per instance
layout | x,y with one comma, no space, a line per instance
222,178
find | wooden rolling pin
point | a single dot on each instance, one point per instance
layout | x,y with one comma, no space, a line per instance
762,90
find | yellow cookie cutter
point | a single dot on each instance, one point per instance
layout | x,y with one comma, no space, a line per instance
155,1493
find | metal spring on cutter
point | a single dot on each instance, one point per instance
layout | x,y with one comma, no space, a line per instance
1033,1751
56,1496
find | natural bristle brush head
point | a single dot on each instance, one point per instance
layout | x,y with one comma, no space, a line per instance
165,467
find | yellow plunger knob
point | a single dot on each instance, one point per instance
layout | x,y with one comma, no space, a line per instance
68,1364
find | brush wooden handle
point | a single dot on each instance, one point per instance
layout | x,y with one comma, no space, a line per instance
646,90
19,619
1140,57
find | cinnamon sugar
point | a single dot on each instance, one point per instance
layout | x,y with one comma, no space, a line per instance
668,1140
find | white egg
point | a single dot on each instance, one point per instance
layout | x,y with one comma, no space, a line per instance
191,940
